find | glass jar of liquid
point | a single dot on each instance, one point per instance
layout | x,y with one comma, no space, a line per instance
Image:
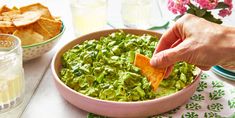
11,72
88,15
140,13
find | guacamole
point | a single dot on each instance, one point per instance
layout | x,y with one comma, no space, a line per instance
104,69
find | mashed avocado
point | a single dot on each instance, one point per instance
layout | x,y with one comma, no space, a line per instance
104,69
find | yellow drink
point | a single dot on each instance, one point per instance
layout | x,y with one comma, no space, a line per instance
140,13
10,89
11,72
88,15
136,12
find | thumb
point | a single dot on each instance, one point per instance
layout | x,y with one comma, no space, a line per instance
170,56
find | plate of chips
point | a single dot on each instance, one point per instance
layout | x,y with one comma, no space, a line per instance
34,25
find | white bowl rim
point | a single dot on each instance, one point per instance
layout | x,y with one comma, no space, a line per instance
57,79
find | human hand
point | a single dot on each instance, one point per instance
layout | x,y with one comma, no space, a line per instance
196,41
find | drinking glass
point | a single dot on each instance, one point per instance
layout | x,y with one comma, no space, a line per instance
11,72
140,13
88,15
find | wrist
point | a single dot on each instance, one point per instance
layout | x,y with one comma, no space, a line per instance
229,45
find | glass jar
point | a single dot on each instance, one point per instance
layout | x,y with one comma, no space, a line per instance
11,72
136,13
140,13
88,15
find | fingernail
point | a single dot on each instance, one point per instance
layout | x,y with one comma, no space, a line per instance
153,62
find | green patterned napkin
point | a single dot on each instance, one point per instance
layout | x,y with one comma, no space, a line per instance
212,99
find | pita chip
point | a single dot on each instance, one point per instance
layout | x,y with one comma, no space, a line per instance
52,26
26,18
41,30
38,8
28,36
4,8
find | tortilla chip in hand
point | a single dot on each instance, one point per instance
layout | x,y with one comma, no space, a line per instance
154,75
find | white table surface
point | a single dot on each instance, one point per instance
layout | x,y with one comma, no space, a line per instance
42,100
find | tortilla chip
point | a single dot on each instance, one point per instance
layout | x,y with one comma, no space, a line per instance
5,23
7,27
57,18
32,24
41,30
4,8
5,18
39,8
28,36
52,26
15,8
26,18
154,75
10,15
7,30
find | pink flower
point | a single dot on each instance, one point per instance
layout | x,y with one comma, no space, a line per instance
178,6
226,11
229,3
207,4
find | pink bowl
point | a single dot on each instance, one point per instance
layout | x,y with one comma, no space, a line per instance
119,109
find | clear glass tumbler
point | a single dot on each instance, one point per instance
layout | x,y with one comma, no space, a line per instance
11,72
88,15
140,13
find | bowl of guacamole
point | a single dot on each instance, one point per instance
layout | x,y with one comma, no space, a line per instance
95,72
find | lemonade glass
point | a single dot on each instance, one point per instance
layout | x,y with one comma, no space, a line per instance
88,15
11,72
141,13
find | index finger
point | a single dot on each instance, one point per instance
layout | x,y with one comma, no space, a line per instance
169,38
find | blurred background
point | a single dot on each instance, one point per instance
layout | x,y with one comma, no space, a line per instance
92,15
81,17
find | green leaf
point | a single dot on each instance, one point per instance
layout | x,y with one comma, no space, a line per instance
204,76
217,84
190,115
197,97
211,115
165,26
200,12
232,116
216,107
221,5
177,17
208,16
193,106
191,11
202,86
91,115
193,7
205,14
216,94
231,103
